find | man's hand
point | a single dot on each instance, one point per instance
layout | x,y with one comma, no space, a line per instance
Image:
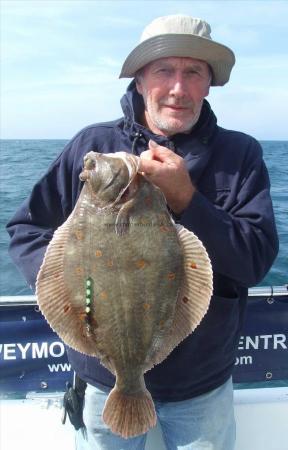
168,171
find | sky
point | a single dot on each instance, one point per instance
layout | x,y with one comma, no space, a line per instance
61,61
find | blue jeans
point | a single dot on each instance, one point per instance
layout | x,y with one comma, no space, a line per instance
205,422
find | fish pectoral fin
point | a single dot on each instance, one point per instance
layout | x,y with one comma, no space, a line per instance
194,297
122,223
129,415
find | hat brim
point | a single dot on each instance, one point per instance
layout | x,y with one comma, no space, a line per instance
220,58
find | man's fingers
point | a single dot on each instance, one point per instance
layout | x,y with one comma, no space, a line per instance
167,170
148,166
148,163
159,152
156,159
147,154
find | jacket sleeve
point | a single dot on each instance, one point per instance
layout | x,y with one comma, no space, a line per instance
33,225
241,239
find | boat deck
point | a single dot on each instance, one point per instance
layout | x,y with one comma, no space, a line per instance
261,417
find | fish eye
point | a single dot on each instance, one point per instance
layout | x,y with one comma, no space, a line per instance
89,163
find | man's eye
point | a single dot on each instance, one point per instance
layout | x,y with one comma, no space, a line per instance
162,70
193,72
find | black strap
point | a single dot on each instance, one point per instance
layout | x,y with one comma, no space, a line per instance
73,402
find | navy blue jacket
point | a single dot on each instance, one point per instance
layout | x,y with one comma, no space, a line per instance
231,213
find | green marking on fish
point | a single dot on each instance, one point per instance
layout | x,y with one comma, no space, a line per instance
89,294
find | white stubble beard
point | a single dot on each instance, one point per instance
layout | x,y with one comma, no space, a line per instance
164,124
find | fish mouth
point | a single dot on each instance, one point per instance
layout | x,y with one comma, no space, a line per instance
132,163
129,191
113,178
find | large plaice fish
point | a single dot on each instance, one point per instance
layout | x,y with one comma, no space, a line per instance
121,282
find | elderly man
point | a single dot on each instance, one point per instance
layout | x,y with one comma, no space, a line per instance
215,183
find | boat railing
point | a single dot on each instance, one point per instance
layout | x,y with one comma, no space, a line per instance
259,291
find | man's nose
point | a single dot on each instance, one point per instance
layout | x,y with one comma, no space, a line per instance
178,85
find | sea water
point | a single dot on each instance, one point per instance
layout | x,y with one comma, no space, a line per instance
23,162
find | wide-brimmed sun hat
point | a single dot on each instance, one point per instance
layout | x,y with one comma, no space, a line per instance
182,36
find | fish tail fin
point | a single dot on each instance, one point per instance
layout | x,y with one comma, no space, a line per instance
129,414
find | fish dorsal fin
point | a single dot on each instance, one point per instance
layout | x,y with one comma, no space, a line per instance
194,297
54,298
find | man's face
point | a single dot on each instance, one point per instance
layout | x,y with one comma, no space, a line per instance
173,90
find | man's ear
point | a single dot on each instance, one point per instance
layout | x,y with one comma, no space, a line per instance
209,82
207,91
138,85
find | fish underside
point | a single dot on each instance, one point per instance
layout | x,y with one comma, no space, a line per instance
121,282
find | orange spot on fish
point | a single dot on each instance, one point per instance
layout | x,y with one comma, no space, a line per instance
148,201
171,276
110,263
141,263
98,253
144,221
66,308
82,316
103,295
185,300
146,306
79,235
79,270
193,265
161,324
165,229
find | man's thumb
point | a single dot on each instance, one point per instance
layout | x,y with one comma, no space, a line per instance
152,144
159,152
